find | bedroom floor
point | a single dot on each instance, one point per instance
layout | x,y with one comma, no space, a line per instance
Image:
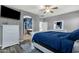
25,47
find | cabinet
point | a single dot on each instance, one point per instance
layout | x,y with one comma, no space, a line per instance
9,35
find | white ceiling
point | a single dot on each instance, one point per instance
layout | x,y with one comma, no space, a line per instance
62,9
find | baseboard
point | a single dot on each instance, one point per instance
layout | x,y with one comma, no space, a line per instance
21,41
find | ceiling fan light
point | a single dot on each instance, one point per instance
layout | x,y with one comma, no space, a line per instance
47,10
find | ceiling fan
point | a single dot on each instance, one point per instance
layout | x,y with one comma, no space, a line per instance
48,8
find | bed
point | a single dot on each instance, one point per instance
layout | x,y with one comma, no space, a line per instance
58,42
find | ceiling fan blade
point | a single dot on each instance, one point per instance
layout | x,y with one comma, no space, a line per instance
44,12
55,8
51,11
42,9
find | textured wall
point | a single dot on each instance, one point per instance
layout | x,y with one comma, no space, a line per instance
71,21
9,21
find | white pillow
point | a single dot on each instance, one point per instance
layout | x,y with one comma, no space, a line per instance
77,40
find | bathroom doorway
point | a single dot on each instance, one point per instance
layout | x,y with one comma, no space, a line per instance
27,27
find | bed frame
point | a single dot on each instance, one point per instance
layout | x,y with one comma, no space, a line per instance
45,50
41,48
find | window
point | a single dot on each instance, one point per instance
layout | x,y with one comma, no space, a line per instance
43,26
58,25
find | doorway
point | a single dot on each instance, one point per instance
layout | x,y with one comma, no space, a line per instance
27,27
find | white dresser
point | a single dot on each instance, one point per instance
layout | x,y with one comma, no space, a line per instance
9,35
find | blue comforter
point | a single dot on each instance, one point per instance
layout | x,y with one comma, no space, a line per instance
57,40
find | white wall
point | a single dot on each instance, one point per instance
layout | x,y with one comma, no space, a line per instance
9,21
71,21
